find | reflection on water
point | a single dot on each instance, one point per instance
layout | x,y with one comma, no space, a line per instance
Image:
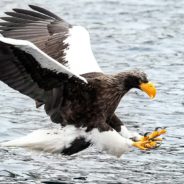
125,34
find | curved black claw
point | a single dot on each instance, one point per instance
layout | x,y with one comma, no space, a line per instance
146,134
158,145
158,128
134,139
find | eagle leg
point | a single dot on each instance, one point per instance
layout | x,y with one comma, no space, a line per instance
120,127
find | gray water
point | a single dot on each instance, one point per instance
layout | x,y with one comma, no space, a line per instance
125,34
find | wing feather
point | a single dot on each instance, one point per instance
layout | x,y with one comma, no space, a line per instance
69,45
29,70
45,12
32,13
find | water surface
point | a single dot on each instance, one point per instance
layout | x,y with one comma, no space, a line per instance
128,34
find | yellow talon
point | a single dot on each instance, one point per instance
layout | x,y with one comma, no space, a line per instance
157,133
140,145
157,139
151,145
150,141
154,135
144,138
145,145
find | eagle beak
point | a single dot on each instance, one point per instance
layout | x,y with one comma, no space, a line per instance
148,88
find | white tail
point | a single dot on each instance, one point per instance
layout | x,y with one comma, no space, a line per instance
51,140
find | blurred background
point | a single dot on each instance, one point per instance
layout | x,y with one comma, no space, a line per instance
125,34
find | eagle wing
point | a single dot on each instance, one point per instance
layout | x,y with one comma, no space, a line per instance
69,45
27,69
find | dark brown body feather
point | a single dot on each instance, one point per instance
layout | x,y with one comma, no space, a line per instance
91,107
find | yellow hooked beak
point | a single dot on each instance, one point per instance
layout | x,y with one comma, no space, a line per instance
149,88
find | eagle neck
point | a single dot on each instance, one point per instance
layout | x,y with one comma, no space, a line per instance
110,94
125,81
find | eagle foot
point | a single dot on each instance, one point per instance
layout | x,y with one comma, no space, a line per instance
154,136
150,140
146,145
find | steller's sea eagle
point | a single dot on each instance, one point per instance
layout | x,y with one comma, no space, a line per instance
51,61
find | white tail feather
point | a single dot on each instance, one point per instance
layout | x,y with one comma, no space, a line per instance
51,140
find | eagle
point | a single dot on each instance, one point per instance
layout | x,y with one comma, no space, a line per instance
51,61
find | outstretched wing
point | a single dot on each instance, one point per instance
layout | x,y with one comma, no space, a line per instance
27,69
69,45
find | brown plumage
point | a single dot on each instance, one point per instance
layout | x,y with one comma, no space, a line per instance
94,105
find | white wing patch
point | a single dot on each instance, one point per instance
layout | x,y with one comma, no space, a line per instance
79,54
43,59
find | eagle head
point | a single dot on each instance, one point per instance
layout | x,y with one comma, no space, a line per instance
138,79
